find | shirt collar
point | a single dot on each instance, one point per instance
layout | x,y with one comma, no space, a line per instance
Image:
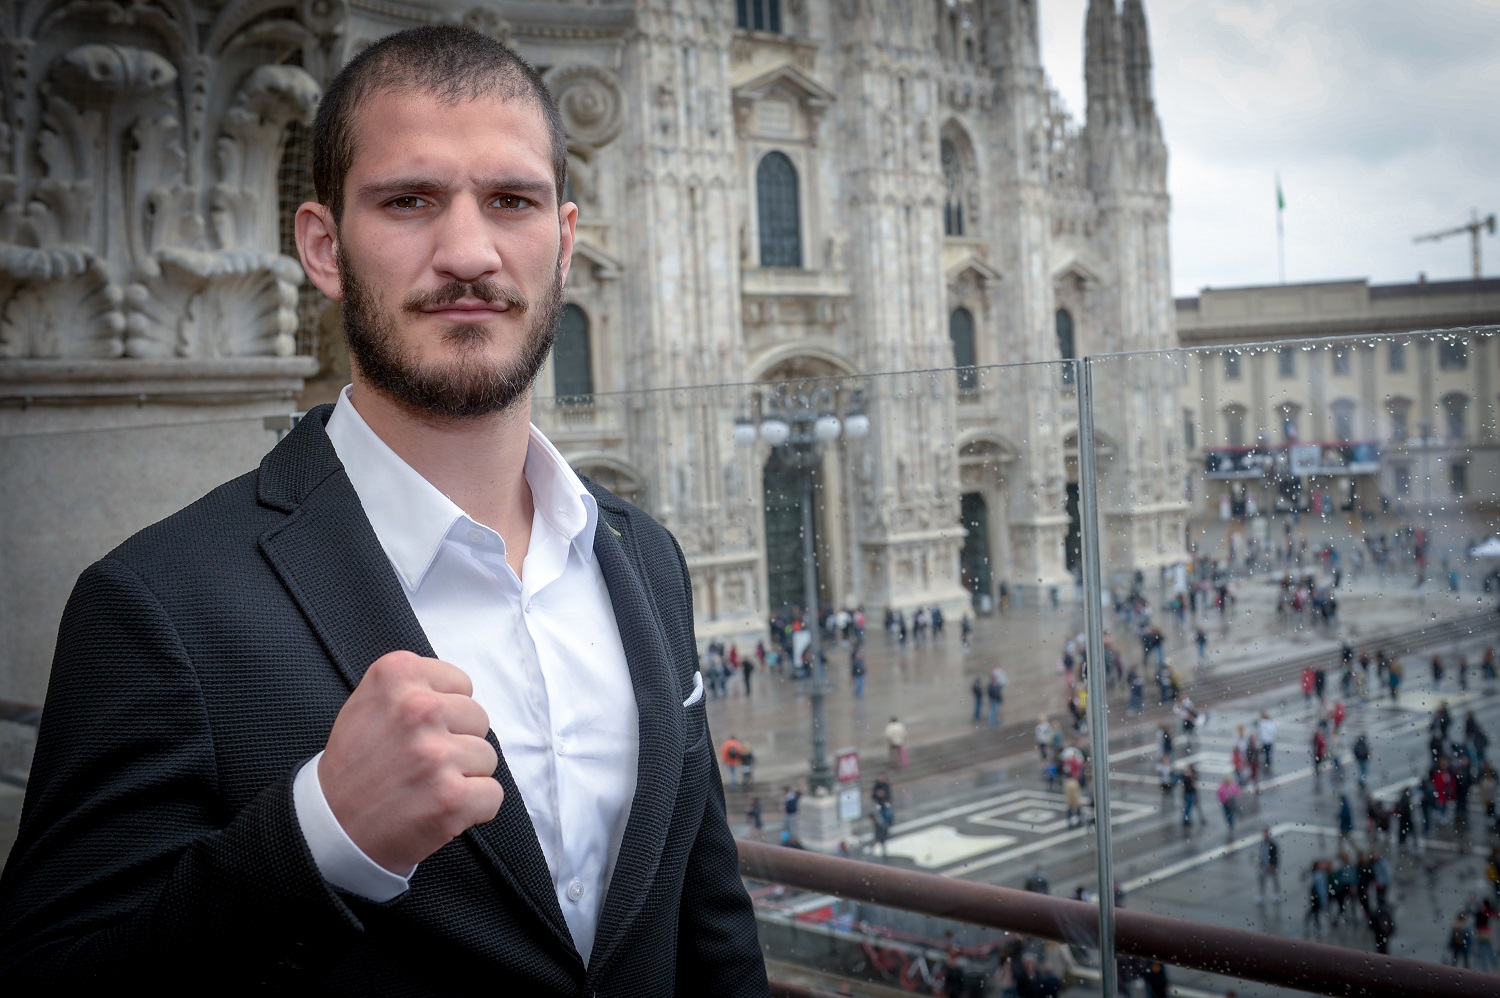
411,517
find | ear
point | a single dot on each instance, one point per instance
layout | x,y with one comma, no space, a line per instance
567,223
317,245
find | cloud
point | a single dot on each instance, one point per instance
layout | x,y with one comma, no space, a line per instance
1378,115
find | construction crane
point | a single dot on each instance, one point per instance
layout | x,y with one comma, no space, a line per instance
1473,227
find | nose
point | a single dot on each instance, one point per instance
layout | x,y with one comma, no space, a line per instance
467,243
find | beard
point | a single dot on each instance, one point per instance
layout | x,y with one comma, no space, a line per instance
468,386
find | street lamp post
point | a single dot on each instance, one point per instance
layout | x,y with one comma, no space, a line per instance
798,423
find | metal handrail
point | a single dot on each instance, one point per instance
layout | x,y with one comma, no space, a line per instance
1291,963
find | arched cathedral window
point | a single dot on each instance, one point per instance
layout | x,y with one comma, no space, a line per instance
953,180
777,211
758,15
572,359
961,332
1065,348
960,180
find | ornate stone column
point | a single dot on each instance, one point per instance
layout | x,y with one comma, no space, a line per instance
147,317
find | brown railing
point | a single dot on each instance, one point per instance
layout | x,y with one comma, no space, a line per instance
1252,956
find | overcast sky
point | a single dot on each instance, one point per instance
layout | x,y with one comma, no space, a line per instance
1380,116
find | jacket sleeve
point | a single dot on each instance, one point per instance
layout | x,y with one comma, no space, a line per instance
128,856
718,946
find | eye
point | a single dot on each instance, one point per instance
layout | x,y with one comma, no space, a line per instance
513,202
407,202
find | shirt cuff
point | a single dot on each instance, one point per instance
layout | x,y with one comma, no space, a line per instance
342,863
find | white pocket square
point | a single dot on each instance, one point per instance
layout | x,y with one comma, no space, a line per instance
697,690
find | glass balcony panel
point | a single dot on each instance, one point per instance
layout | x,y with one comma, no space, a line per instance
1298,597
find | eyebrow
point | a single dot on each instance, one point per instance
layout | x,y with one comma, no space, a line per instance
382,189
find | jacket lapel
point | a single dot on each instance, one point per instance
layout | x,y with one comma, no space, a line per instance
328,557
659,706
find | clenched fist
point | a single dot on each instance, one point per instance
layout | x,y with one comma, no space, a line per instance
407,767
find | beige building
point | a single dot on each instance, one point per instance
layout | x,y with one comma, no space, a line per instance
1389,418
767,190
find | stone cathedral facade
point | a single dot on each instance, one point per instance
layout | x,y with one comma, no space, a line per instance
768,190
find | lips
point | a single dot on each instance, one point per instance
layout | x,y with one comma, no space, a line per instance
468,312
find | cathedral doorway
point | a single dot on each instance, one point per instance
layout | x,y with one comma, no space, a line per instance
782,485
974,560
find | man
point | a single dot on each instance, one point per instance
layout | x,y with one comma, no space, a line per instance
895,743
731,752
882,798
789,803
410,708
997,697
1268,866
1265,731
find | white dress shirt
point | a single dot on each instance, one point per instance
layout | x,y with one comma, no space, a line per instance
543,652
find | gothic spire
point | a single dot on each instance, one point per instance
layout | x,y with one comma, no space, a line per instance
1104,70
1136,44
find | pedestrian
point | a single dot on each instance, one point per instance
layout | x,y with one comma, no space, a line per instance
1201,640
1229,800
730,753
857,672
1362,757
1154,976
1317,894
747,667
965,629
1189,781
1405,821
996,691
895,743
1308,682
1166,775
1137,692
1043,732
977,688
1484,947
1460,940
1073,799
880,818
881,798
789,804
1268,866
755,818
747,766
1265,730
1037,882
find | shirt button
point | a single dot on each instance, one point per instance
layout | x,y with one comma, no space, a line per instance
476,537
530,607
562,746
575,892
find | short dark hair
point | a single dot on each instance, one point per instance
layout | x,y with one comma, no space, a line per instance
451,63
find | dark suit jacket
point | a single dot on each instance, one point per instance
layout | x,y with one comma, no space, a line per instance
205,659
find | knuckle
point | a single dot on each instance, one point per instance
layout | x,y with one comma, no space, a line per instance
430,755
418,709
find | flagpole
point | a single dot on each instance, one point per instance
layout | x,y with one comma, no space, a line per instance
1280,232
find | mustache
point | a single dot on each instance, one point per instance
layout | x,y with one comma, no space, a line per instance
489,292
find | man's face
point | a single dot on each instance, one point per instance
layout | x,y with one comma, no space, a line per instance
452,253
